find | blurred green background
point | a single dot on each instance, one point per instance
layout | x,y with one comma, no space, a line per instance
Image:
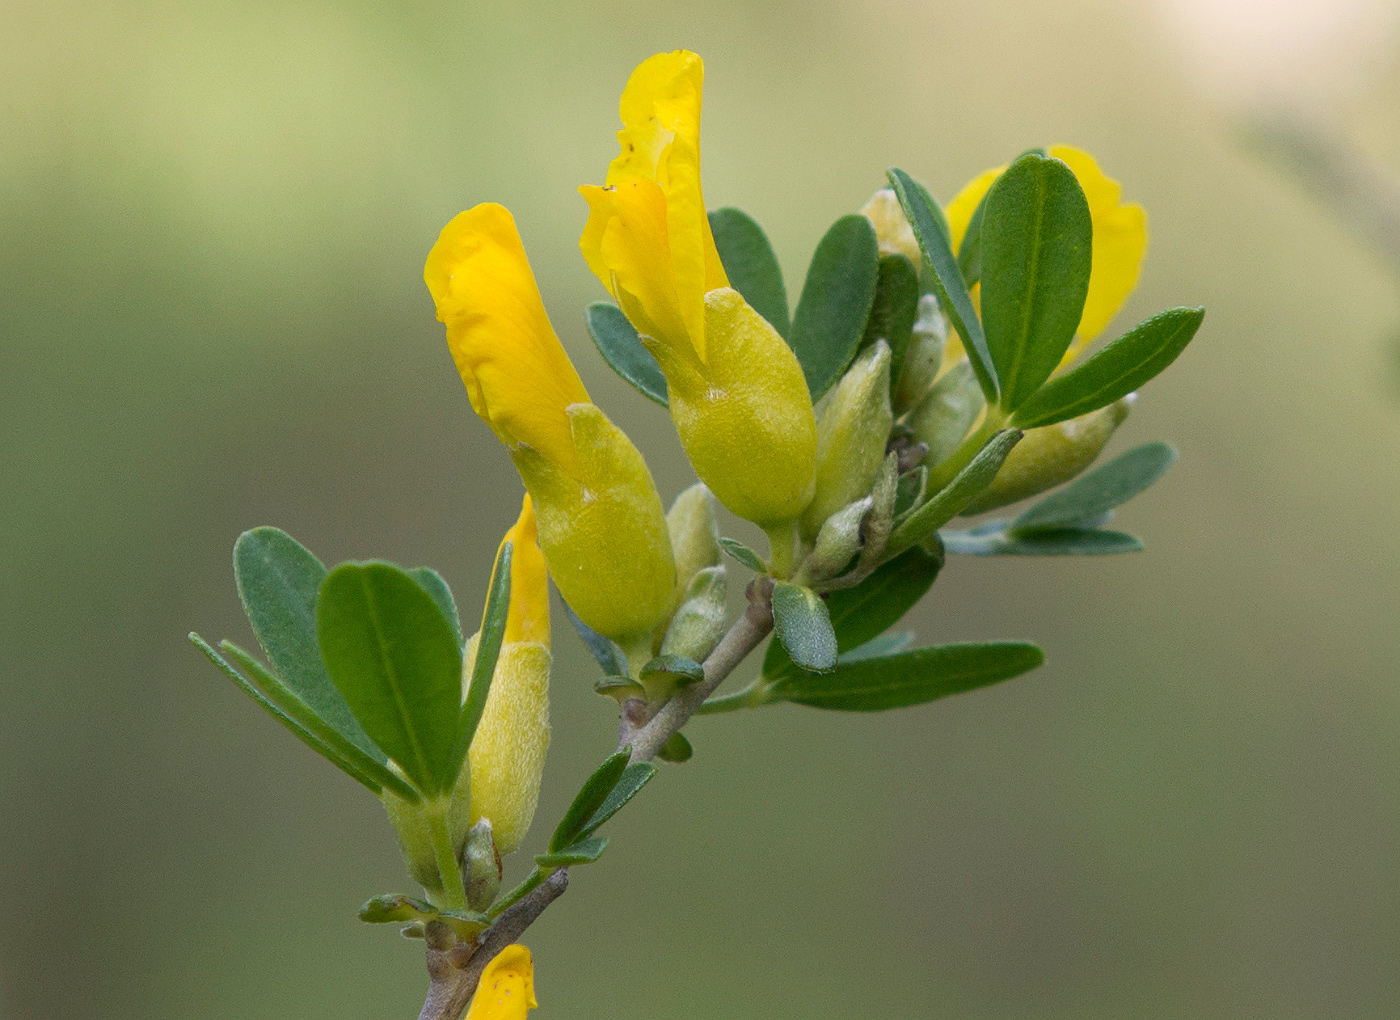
213,218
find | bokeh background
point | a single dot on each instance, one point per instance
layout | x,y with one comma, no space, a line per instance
213,217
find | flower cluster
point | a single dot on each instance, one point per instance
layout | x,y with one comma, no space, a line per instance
932,368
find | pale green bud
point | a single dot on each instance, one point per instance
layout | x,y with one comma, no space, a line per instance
838,541
699,622
481,866
851,436
924,355
1048,456
694,532
947,412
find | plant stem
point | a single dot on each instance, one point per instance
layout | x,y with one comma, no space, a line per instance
782,552
454,891
948,470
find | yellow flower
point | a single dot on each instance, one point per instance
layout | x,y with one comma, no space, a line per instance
738,396
507,753
507,987
600,520
1120,242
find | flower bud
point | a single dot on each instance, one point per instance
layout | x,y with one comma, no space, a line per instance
838,541
851,436
891,227
694,532
1048,456
924,356
699,622
481,866
946,414
743,414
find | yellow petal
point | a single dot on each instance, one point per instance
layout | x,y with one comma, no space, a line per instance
515,370
506,759
660,145
507,988
528,619
960,209
1120,242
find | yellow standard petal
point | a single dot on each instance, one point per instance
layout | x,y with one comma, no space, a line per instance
507,987
1120,243
648,238
515,370
528,619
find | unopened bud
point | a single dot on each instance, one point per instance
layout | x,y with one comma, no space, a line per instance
1048,456
946,414
481,866
880,522
694,532
699,622
891,227
838,541
924,355
851,436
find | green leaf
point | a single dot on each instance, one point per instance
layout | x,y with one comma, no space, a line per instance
488,650
634,777
835,303
277,691
931,229
909,490
994,541
589,799
802,624
1120,368
744,555
750,264
861,614
676,750
910,678
395,909
677,668
579,853
1036,242
958,493
293,726
1099,491
619,688
392,654
621,347
878,648
603,649
894,311
278,580
432,583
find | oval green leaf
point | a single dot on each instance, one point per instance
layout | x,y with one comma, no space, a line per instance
751,266
836,300
393,656
802,624
634,777
1036,249
1059,542
1099,491
1135,358
910,678
948,502
590,797
621,347
894,311
931,229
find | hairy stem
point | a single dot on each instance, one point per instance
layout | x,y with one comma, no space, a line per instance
454,889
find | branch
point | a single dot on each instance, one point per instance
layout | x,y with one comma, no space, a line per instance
455,968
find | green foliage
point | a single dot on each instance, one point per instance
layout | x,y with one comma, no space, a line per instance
993,540
591,797
488,650
743,554
431,582
1101,490
605,650
633,778
584,851
836,301
676,669
802,624
1118,369
949,502
676,750
1036,240
398,909
908,678
931,229
751,266
617,341
894,311
392,654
